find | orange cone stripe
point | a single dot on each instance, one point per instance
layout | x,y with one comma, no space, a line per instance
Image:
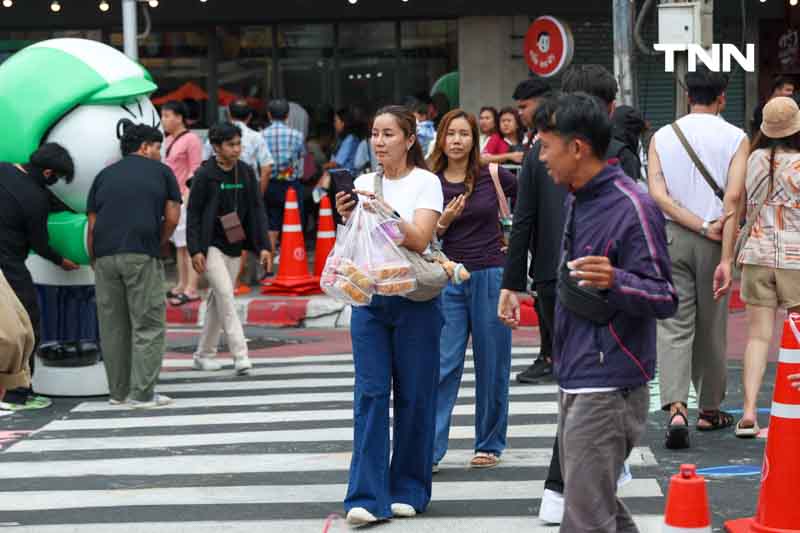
789,356
292,228
785,410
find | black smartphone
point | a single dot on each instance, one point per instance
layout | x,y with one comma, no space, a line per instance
343,180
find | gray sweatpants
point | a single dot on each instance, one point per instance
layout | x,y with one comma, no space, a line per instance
131,310
596,433
692,343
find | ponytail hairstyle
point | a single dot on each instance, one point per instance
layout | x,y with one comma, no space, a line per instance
788,144
438,160
407,123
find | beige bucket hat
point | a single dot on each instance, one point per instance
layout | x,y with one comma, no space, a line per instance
781,118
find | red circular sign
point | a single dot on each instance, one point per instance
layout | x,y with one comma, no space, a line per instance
548,46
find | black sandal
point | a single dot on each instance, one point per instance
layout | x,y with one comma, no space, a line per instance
718,419
179,300
677,437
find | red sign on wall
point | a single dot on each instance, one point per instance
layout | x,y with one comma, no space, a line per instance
548,46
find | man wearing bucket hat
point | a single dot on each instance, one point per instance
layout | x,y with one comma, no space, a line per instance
767,247
695,170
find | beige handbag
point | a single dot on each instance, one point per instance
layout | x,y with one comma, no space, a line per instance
431,276
16,339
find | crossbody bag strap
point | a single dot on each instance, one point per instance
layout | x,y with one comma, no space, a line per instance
169,150
494,171
696,160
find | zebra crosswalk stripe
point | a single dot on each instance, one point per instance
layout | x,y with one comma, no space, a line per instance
277,444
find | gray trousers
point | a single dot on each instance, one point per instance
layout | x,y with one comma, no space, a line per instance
692,344
131,310
596,434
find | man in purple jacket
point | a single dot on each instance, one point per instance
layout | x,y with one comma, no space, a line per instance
614,282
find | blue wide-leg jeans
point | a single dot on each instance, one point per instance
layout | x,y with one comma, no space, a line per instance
395,350
471,309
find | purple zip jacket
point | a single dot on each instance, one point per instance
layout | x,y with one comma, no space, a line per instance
615,218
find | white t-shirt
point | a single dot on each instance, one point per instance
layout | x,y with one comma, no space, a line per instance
419,190
715,141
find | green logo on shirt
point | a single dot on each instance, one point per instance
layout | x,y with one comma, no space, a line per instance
228,186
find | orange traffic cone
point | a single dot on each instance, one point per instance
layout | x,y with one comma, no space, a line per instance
293,278
687,503
326,235
777,510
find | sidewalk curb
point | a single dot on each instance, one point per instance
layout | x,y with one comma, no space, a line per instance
318,312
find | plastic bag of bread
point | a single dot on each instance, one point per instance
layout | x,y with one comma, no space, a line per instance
366,260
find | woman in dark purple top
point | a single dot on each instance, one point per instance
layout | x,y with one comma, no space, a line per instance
471,234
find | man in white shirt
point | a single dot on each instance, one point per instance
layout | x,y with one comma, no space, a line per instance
692,344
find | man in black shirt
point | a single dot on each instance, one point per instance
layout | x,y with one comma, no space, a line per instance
133,207
24,206
225,216
539,226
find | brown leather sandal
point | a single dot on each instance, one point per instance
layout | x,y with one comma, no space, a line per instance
484,460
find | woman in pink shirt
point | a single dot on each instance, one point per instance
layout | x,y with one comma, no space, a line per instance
183,154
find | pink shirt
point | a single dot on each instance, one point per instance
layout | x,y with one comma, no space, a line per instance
184,157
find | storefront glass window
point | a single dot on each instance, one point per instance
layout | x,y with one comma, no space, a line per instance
429,51
367,64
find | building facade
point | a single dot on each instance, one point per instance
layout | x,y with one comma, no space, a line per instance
328,54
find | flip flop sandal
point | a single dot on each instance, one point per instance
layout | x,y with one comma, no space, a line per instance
171,295
677,437
718,419
747,432
484,460
179,300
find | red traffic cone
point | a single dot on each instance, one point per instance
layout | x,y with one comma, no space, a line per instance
687,503
777,510
293,278
326,235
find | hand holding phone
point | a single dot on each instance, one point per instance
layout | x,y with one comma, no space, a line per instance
343,181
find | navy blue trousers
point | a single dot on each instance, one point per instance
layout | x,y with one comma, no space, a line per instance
396,351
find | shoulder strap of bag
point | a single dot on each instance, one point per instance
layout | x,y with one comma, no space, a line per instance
377,187
696,160
494,171
181,134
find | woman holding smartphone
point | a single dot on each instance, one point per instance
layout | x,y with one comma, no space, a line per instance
395,342
471,234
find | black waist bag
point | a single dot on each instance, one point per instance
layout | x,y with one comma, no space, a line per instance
587,303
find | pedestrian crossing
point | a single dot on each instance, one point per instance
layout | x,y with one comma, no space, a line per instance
270,452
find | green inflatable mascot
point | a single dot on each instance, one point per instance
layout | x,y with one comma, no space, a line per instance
78,93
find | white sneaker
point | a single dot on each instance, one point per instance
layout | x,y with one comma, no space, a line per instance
159,400
358,516
435,468
403,510
206,363
242,366
112,401
625,477
552,509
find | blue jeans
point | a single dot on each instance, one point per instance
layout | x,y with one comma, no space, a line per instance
471,309
395,349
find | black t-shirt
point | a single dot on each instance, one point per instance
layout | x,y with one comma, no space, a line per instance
24,206
129,199
231,198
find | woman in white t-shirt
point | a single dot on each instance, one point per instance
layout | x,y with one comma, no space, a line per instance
395,343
